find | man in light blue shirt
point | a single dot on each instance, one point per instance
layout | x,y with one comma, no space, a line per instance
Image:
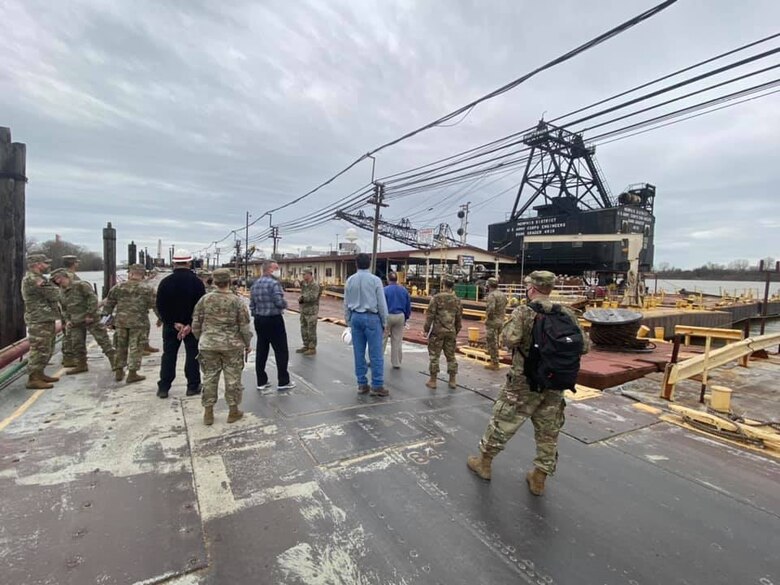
365,310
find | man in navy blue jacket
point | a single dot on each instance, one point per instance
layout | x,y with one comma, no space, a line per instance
176,298
399,309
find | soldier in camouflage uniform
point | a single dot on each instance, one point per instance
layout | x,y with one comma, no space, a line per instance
495,313
79,312
148,349
132,301
309,302
207,279
442,324
71,264
41,310
220,323
517,402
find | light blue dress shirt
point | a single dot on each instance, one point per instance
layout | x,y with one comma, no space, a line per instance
364,293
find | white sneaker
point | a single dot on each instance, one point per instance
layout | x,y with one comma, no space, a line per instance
265,386
288,386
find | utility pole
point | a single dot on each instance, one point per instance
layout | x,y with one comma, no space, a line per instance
378,201
109,258
216,252
238,256
276,237
463,230
246,251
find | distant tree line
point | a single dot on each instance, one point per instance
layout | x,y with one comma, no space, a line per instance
740,269
57,248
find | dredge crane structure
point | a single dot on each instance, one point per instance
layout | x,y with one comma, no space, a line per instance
403,231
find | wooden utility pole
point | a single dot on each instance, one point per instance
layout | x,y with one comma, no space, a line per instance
767,270
378,201
246,252
109,258
131,253
13,156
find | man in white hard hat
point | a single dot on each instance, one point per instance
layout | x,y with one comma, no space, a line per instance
176,298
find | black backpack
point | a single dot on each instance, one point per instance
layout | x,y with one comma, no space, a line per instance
554,359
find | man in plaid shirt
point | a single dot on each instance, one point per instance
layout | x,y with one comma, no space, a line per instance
267,306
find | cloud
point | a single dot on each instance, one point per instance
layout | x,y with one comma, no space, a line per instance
174,119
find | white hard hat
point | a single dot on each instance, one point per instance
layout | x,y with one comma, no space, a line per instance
182,255
346,337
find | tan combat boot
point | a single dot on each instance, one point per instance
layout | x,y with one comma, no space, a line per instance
150,349
68,362
234,414
208,415
301,350
535,479
310,351
46,378
35,382
431,383
492,366
480,464
452,383
119,374
81,366
133,376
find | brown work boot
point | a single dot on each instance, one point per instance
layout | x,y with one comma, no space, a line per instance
46,378
310,351
133,376
452,383
492,366
208,415
234,414
68,362
80,367
431,383
150,349
35,382
480,464
301,350
119,374
380,391
535,479
363,388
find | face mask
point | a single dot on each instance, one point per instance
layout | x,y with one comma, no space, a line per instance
528,294
276,273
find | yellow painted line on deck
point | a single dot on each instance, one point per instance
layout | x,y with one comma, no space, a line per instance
27,404
647,408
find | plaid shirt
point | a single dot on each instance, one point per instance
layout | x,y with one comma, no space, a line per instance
267,297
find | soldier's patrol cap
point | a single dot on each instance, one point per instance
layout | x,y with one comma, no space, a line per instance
136,268
203,273
308,270
492,281
37,258
221,275
448,281
543,278
59,272
70,257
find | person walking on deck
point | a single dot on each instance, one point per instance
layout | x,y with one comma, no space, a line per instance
309,302
80,314
267,305
399,309
41,310
546,342
443,319
71,264
130,302
220,323
365,311
495,313
177,295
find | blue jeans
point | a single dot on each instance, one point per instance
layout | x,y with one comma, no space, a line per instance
367,330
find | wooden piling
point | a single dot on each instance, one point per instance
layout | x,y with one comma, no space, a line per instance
109,258
13,156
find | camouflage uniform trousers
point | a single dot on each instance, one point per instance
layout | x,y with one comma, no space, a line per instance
437,343
515,404
492,333
231,363
68,351
78,336
41,337
129,343
309,330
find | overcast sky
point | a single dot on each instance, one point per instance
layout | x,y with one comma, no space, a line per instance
172,119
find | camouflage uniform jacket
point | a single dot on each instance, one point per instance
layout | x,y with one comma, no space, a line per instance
517,332
41,299
79,301
310,298
444,314
495,307
220,321
132,301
